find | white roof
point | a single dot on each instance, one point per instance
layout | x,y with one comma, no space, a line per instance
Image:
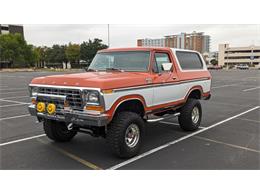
177,49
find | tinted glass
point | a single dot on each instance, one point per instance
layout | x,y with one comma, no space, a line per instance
160,58
189,60
127,61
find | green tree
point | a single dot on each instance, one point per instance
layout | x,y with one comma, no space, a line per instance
56,54
73,53
89,49
13,48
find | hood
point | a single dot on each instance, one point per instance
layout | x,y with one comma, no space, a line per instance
102,80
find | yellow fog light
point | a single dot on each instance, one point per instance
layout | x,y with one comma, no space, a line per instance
51,108
40,107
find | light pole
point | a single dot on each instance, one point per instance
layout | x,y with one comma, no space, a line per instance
108,36
227,60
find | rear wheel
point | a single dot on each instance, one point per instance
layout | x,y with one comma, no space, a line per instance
58,131
190,115
125,134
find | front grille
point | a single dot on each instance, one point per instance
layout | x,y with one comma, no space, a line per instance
73,96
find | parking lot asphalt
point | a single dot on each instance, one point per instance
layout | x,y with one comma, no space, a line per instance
229,136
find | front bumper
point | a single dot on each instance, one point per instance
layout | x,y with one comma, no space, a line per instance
79,118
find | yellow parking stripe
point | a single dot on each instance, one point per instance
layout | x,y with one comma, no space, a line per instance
73,156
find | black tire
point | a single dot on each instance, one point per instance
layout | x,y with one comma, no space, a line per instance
58,131
116,134
185,118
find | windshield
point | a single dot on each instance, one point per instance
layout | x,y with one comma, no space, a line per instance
135,61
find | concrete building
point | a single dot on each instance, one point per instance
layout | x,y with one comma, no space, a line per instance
230,56
151,42
9,28
194,41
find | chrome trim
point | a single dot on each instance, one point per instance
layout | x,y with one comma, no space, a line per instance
80,118
63,97
82,89
65,87
162,118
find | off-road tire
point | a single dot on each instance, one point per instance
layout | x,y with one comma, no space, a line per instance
185,117
57,131
117,130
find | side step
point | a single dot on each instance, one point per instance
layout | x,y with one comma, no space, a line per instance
152,120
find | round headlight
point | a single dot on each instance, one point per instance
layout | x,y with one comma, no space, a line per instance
34,91
93,97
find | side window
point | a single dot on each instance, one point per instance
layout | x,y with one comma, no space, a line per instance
189,60
160,58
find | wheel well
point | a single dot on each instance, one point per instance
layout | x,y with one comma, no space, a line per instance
132,106
195,94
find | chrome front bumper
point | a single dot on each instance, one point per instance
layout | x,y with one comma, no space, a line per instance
79,118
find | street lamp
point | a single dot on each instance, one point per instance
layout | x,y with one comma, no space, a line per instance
108,36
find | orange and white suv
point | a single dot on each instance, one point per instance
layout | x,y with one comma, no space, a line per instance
121,90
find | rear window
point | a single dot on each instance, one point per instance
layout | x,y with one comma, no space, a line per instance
189,60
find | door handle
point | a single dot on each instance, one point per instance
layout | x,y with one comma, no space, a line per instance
174,78
148,80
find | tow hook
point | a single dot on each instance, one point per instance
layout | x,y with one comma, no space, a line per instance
70,126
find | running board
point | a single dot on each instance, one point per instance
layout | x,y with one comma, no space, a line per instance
162,118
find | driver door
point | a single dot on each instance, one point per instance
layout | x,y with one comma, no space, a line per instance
163,80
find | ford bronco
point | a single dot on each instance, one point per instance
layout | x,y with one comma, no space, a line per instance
121,91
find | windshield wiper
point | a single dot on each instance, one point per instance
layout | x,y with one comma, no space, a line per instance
114,69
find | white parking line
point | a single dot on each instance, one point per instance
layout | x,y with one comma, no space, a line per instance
227,144
21,140
10,89
10,92
250,89
11,105
171,123
221,86
178,140
250,120
13,117
6,76
14,97
12,101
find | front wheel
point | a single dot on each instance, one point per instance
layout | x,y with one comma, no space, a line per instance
125,134
190,115
58,131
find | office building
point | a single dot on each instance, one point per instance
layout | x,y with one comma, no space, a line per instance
193,41
230,56
9,28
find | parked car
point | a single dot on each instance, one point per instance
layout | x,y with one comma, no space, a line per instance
121,91
242,67
214,67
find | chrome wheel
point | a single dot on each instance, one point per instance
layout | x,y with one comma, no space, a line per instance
132,135
195,115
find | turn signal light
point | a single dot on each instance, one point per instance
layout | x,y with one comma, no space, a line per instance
95,108
107,91
33,100
41,107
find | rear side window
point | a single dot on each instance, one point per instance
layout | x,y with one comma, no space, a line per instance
189,60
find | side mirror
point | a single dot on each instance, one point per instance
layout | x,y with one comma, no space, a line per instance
166,66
